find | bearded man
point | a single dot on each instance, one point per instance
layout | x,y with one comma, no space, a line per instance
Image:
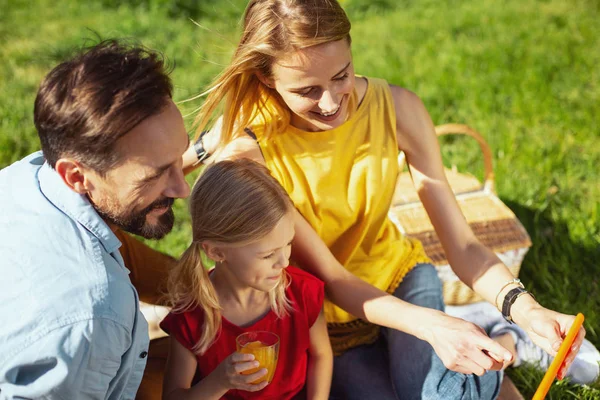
112,142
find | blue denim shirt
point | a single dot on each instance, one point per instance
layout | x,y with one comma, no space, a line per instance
70,324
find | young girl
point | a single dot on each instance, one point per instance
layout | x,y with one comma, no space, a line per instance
243,220
291,101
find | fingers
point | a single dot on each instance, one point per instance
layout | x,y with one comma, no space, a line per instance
471,352
255,375
240,363
470,367
494,349
469,364
469,359
240,367
239,357
485,361
552,333
497,362
249,387
562,372
244,382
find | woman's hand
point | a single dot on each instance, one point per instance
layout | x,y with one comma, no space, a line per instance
463,346
229,373
547,329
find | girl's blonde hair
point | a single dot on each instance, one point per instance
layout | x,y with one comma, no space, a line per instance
271,28
233,202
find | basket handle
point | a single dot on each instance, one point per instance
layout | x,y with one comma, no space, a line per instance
448,129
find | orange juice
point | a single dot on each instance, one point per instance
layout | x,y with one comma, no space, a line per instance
265,348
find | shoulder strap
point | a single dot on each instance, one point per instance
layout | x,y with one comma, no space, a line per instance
250,133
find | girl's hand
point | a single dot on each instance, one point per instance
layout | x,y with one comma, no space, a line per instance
229,373
463,346
547,329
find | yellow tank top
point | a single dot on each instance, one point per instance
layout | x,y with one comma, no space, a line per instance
342,181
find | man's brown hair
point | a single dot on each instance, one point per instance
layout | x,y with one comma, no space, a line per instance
86,104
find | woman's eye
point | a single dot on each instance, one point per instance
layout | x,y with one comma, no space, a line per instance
341,78
306,93
269,256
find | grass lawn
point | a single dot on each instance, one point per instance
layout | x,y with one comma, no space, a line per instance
524,73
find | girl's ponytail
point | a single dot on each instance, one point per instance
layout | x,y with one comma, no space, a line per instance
189,287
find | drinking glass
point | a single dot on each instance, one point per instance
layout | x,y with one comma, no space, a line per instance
265,348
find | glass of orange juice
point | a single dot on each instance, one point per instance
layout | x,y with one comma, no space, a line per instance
265,347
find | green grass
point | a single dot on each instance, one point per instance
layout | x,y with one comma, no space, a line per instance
524,73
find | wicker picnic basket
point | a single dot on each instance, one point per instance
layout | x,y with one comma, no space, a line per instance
494,224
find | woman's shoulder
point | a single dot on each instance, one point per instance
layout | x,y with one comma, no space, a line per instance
404,100
414,128
410,110
404,97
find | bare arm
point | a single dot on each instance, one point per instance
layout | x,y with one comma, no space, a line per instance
462,354
210,143
320,362
473,263
181,367
367,302
190,160
349,292
342,287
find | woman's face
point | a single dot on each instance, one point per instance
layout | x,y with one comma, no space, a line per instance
316,84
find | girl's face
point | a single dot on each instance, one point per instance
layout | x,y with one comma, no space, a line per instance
260,264
316,84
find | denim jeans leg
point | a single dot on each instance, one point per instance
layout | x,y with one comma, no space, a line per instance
416,371
362,373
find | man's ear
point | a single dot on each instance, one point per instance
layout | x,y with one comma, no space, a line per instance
213,251
74,175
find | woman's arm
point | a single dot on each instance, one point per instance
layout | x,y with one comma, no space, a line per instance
458,343
342,287
473,263
320,362
181,367
462,354
208,146
190,159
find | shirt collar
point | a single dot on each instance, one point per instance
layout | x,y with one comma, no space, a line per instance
76,206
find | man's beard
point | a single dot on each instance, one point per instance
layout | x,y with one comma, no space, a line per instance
135,222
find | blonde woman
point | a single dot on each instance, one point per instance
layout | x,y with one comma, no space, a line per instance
244,221
292,101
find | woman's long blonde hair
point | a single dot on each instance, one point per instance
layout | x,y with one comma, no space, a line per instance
271,28
233,202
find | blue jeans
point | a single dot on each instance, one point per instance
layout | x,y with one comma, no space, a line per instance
400,366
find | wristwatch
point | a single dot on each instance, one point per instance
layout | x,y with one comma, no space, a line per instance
510,299
201,152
